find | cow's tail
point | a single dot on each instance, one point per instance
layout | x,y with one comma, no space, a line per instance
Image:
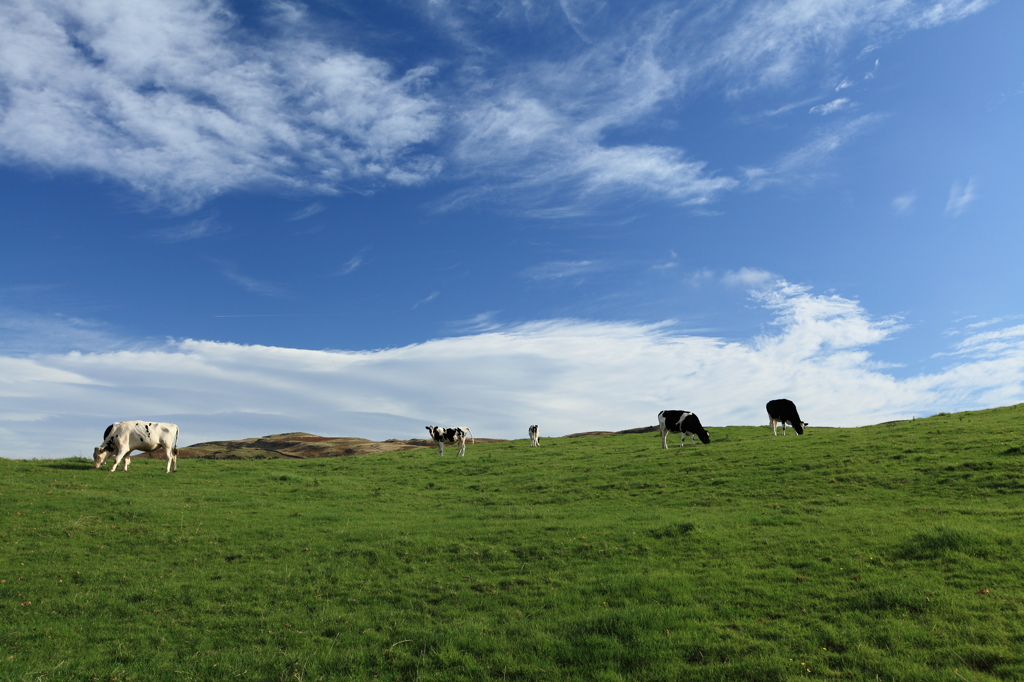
470,432
174,448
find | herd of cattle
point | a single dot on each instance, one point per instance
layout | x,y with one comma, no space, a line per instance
124,438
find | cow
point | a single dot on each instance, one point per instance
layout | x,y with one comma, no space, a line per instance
686,423
124,438
534,436
452,435
784,412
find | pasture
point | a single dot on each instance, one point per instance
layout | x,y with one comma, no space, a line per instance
889,552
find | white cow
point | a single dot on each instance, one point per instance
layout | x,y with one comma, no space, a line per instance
534,436
451,435
124,438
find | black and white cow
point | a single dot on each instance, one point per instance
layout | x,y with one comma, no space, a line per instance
124,438
679,421
784,412
534,436
452,435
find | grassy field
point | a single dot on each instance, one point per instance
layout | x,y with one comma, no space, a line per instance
890,552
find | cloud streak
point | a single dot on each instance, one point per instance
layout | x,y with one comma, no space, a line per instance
559,269
183,101
568,375
178,102
960,197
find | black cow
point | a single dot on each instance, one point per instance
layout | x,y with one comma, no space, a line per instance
686,423
452,435
784,412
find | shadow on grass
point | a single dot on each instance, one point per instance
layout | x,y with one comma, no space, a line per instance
941,542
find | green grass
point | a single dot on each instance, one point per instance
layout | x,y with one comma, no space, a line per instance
891,552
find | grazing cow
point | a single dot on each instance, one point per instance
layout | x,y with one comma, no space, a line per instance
534,436
452,435
784,412
123,438
686,423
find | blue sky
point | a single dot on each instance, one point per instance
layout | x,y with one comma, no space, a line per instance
359,218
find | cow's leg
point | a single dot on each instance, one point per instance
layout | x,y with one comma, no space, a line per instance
127,461
117,460
774,425
462,448
682,440
440,448
664,439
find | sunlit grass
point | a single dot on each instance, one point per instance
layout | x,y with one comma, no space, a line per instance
892,551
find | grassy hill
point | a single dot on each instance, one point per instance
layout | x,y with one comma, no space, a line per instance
890,552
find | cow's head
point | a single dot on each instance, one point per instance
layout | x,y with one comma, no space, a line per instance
704,436
99,455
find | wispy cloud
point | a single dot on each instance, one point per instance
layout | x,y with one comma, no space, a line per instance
700,277
484,322
250,284
426,300
811,155
960,197
308,211
177,101
570,375
904,204
831,107
24,333
197,229
183,102
350,266
560,269
749,278
773,42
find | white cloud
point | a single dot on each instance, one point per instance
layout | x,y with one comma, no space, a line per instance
177,101
774,41
309,211
904,204
748,277
826,142
560,269
251,284
831,107
351,265
567,375
700,277
197,229
960,197
26,334
181,101
428,299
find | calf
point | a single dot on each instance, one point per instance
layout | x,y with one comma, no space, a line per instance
452,435
124,438
686,423
534,436
784,412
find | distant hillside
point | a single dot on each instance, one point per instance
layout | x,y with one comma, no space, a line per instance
299,445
